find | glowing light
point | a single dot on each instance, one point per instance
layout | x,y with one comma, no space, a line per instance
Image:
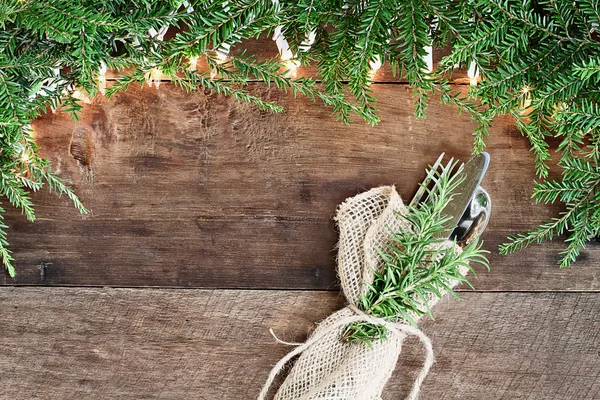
526,100
156,74
473,73
102,79
153,77
291,66
79,95
375,65
285,54
193,62
102,84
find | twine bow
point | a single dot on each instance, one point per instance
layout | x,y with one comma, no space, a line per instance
361,316
328,367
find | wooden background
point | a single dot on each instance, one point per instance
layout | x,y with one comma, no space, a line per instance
211,222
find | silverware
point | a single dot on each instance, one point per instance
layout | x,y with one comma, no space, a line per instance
470,208
430,173
472,174
474,220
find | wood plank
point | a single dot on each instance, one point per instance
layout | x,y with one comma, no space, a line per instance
72,343
191,190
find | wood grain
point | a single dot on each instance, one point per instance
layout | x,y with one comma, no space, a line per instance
193,190
73,343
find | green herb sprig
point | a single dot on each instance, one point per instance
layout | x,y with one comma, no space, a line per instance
417,264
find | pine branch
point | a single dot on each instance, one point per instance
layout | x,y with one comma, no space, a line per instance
533,127
416,265
530,19
579,191
242,68
5,253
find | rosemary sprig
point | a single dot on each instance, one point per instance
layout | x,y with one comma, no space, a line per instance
416,264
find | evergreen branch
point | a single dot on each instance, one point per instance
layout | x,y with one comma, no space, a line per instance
416,265
590,7
5,253
511,76
578,189
589,70
526,19
268,72
12,189
6,97
536,133
460,53
194,81
90,19
56,184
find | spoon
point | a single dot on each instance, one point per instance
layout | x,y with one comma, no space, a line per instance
475,218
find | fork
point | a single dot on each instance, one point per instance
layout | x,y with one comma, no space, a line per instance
423,187
474,221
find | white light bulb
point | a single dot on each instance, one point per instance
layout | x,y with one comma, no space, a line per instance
526,101
79,95
428,57
155,76
285,53
193,62
222,53
375,65
307,44
473,73
102,78
292,66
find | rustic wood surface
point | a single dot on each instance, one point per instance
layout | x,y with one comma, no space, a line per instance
74,343
190,190
197,191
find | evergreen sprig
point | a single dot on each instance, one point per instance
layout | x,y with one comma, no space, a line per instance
417,264
543,71
579,189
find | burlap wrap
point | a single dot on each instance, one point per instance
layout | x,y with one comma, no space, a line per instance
330,368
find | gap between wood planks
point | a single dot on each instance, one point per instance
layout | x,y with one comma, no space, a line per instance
260,289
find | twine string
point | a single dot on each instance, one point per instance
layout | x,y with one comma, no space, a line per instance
360,316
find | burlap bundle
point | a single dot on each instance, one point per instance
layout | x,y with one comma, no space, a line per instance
329,367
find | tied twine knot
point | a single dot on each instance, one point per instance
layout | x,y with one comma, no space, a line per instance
328,367
360,316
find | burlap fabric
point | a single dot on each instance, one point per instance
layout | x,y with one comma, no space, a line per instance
328,367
